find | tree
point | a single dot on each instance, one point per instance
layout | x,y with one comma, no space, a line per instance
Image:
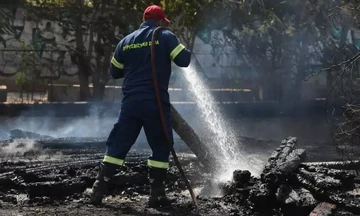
6,17
186,18
92,29
273,39
342,64
86,36
28,72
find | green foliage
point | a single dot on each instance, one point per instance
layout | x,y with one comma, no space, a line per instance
272,35
186,17
268,35
92,29
28,71
5,29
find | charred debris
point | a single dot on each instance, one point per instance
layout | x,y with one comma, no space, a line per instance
287,186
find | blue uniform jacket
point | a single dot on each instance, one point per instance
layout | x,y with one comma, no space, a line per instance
132,61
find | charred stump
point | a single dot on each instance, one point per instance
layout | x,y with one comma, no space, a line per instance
272,190
296,188
191,139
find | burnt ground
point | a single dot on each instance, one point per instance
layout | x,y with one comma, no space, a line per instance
52,182
49,177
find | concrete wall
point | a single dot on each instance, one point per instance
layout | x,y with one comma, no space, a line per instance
46,35
50,44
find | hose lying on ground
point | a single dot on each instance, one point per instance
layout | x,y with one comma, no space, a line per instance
157,92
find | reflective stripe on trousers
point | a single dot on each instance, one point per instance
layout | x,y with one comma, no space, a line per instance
158,164
112,160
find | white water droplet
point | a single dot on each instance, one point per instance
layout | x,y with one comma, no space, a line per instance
225,145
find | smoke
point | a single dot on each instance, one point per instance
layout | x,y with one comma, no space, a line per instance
26,147
96,124
45,156
4,135
92,125
18,147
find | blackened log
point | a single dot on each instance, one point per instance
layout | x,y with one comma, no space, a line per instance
306,198
288,148
295,201
285,167
262,197
283,193
271,163
319,193
321,180
348,200
336,164
346,177
344,199
328,171
191,139
279,156
291,162
280,165
297,197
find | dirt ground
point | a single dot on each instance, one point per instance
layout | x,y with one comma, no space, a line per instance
116,205
52,182
50,178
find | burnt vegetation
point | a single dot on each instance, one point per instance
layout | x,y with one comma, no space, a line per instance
287,185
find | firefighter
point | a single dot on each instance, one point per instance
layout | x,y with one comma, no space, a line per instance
132,61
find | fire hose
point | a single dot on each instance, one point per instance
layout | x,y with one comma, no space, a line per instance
163,121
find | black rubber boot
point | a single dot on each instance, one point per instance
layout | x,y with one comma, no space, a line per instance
99,188
158,197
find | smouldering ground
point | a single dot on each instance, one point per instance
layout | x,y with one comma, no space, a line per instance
48,177
52,182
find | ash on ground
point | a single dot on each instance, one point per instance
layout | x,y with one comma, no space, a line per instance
51,179
35,185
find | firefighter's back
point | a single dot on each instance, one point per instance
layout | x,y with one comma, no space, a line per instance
138,80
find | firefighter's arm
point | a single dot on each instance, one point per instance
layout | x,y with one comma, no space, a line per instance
177,51
117,65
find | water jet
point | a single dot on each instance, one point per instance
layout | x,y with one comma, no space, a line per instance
225,145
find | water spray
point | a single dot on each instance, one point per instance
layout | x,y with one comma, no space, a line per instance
230,156
170,143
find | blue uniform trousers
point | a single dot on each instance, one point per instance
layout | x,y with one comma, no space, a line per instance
132,117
